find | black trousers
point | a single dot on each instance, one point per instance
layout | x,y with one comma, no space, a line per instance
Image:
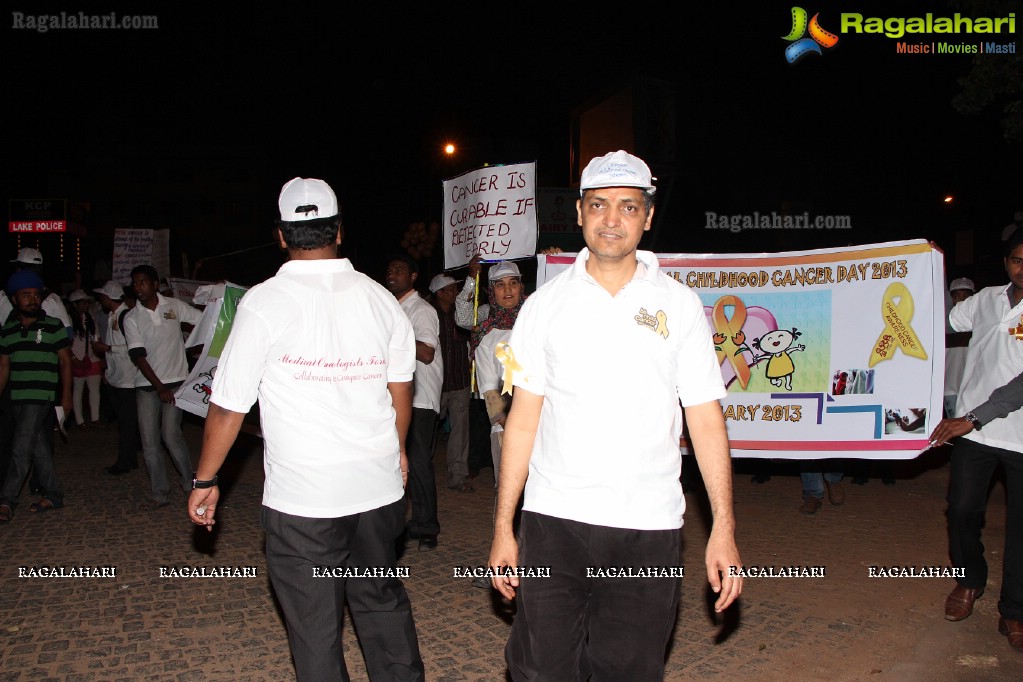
314,606
422,480
570,627
479,435
123,402
973,464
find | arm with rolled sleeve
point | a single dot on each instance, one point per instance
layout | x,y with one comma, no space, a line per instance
961,317
426,327
235,388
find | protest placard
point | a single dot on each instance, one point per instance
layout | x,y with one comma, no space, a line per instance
134,247
490,211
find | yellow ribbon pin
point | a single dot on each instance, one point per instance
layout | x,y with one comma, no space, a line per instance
506,357
897,332
662,323
731,330
1017,332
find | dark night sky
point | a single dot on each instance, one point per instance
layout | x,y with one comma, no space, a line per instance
366,101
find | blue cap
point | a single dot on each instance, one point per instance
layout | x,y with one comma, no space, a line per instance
24,279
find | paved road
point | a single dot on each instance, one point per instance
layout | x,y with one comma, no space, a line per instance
141,625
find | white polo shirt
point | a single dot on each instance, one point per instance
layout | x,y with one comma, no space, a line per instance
612,370
159,332
993,358
121,371
426,325
317,345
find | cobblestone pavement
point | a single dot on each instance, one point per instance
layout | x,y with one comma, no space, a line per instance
141,626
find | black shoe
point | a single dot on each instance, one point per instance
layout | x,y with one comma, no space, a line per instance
427,542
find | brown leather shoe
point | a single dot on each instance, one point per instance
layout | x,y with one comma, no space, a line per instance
1013,629
959,603
810,506
836,493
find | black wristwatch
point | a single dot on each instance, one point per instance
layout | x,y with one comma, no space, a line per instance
972,418
197,484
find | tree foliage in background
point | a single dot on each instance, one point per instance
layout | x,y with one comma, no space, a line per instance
994,80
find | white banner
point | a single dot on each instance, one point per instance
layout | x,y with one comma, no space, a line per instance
827,353
490,211
211,331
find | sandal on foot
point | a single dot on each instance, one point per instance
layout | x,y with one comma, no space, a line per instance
43,505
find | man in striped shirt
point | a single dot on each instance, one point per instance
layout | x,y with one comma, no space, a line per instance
33,348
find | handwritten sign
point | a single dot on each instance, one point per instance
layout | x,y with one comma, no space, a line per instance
827,353
140,247
490,211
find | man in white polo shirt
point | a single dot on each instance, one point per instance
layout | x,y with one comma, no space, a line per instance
153,332
120,376
995,355
400,280
600,358
330,355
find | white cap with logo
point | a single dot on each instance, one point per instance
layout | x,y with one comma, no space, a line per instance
441,281
30,256
505,268
112,289
962,283
617,169
306,199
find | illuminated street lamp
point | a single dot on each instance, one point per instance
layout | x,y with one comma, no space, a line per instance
449,149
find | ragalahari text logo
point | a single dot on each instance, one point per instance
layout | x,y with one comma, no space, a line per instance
802,46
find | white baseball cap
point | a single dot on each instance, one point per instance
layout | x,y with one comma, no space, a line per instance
112,289
962,283
441,281
78,295
30,256
505,268
617,169
306,199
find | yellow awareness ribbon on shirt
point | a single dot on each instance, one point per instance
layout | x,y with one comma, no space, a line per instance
897,332
506,357
1017,332
729,336
662,323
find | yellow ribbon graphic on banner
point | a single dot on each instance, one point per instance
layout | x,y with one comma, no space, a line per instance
729,336
897,332
506,357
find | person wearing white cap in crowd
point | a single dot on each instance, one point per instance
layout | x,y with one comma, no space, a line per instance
505,297
32,259
400,279
121,376
956,346
454,397
600,358
86,365
330,355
